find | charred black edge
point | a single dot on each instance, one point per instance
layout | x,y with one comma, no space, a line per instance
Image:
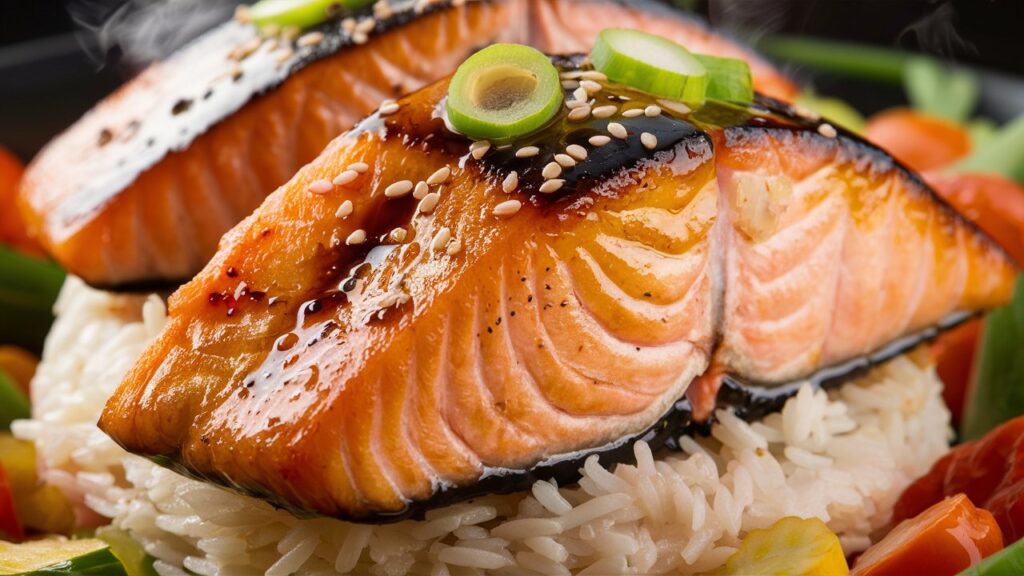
751,401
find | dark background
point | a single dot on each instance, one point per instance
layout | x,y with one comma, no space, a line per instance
52,68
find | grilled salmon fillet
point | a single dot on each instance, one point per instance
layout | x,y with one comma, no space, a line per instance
433,322
141,189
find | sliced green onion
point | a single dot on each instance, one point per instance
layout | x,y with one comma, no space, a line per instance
650,63
503,91
728,78
300,13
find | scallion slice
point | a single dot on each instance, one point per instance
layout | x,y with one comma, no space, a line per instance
300,13
650,63
728,78
503,91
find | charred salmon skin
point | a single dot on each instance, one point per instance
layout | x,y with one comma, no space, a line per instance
142,188
434,322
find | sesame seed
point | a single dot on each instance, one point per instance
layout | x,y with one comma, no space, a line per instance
421,190
348,24
398,235
440,176
552,170
454,247
574,104
633,112
346,177
388,107
345,210
578,114
311,39
652,111
429,202
677,107
565,161
510,182
359,38
321,186
356,238
805,112
576,151
478,148
599,140
617,130
605,111
590,86
365,26
650,141
581,94
551,186
594,75
827,130
283,55
527,152
398,189
291,32
507,208
441,239
570,84
359,167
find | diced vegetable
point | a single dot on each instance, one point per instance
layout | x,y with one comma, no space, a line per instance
503,91
28,289
993,202
834,110
954,352
135,560
41,508
650,63
921,141
998,391
1002,154
10,525
728,78
940,91
53,557
13,403
19,365
790,547
300,13
941,541
1007,562
13,231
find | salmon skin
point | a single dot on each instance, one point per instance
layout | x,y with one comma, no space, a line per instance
140,190
408,337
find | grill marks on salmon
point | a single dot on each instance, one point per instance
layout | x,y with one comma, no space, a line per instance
369,381
141,189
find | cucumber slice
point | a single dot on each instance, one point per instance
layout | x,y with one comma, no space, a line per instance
503,91
59,557
300,13
650,63
1007,562
728,78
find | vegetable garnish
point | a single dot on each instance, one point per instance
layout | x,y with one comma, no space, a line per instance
1007,562
10,525
300,13
13,403
1002,154
82,557
933,89
650,63
791,547
28,289
503,91
728,78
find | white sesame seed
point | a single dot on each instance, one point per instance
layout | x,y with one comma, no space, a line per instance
478,148
359,167
677,107
454,247
398,189
421,190
388,107
321,186
599,140
617,130
565,161
365,26
397,235
348,24
650,141
346,177
805,112
311,39
507,208
581,94
576,151
827,130
283,55
633,112
605,111
527,152
441,239
356,238
359,38
590,86
570,84
652,111
440,176
551,186
594,75
509,184
345,210
574,104
552,170
429,202
581,113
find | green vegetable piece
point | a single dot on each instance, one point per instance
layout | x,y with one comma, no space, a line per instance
834,110
28,289
856,60
948,93
728,78
1007,562
13,404
650,63
135,560
997,394
59,558
503,91
1002,153
300,13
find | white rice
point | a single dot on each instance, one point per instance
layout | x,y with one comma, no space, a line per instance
843,457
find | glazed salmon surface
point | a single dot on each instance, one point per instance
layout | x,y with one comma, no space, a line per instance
354,354
143,187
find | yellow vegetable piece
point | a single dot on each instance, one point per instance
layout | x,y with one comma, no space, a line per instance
46,510
790,547
18,365
30,556
19,461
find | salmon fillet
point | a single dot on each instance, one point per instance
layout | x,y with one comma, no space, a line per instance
360,352
141,189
